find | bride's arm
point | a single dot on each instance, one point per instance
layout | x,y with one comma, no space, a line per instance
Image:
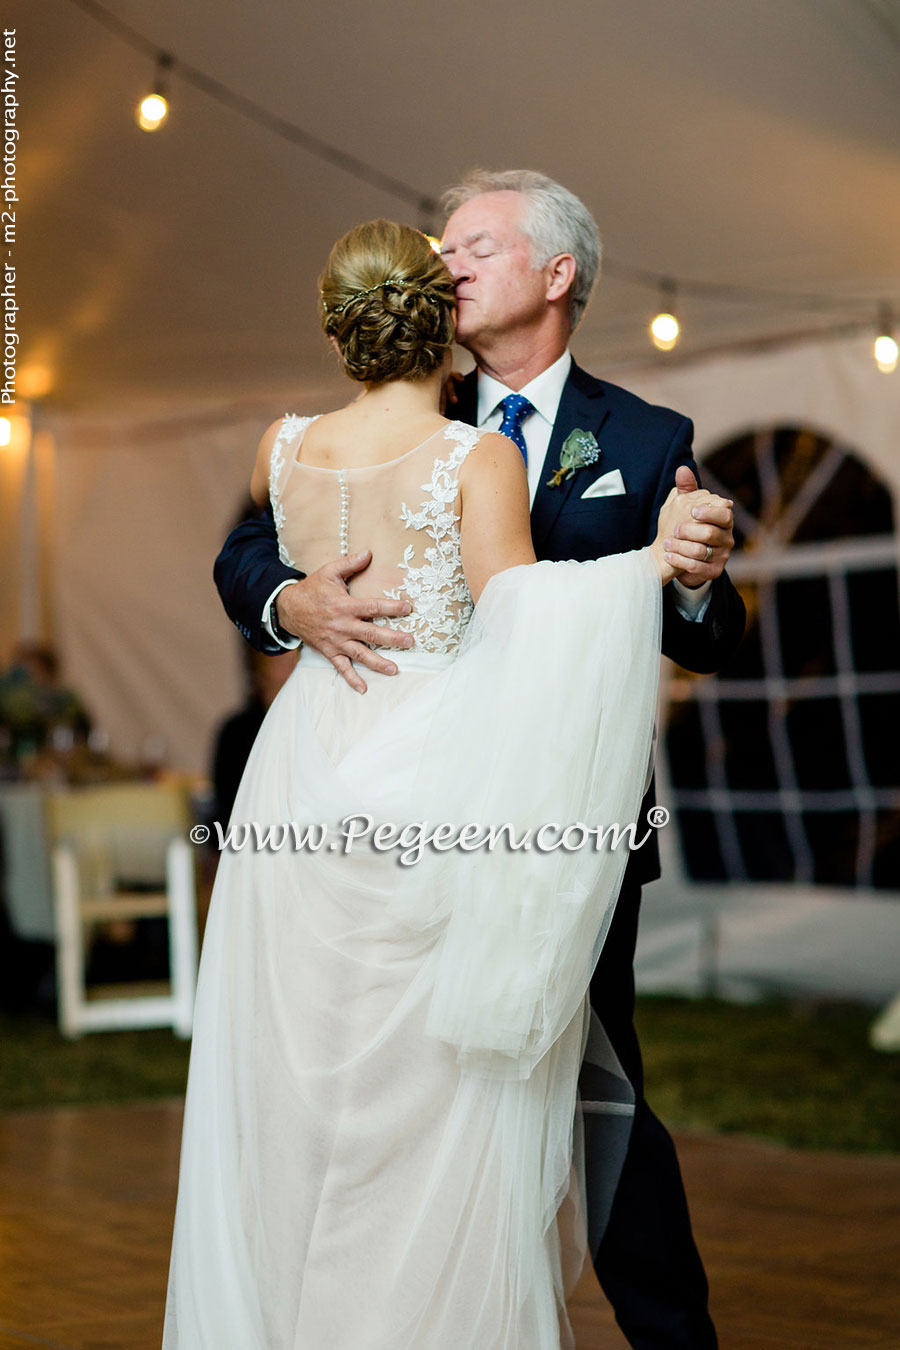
259,479
495,523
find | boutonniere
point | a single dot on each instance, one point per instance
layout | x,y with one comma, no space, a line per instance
579,449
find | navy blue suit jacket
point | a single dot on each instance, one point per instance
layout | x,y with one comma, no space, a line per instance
645,442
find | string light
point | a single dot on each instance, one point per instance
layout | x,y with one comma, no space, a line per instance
15,430
35,381
885,350
153,108
665,329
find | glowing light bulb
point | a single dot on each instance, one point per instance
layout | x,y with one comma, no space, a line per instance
15,430
885,349
152,112
35,381
153,108
886,353
665,331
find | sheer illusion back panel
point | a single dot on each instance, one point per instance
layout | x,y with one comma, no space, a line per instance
405,510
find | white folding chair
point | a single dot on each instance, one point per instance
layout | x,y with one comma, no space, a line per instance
138,831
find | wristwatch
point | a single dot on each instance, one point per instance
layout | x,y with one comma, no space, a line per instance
281,633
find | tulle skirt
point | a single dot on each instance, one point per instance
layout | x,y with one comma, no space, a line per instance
381,1143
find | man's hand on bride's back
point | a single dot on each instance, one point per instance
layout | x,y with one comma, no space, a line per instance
678,520
320,610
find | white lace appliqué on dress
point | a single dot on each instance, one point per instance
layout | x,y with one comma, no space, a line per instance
292,426
437,591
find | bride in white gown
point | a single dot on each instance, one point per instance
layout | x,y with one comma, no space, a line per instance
378,1148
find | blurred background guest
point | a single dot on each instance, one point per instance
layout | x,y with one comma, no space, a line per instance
35,703
236,734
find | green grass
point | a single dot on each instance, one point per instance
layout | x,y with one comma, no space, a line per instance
39,1067
801,1074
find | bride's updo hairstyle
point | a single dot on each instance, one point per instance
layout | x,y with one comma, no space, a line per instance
388,302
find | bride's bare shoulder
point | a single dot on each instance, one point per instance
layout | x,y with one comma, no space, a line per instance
496,462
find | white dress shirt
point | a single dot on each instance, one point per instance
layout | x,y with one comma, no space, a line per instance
544,392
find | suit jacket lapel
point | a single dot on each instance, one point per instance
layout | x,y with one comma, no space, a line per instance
581,406
466,409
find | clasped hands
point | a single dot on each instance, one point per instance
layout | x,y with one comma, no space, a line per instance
694,540
695,534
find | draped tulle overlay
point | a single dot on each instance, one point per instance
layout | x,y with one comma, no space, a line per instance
381,1141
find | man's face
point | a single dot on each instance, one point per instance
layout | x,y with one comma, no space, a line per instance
498,288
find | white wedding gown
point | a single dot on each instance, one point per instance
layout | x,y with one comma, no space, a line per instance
380,1147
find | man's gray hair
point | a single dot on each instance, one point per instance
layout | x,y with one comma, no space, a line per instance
556,221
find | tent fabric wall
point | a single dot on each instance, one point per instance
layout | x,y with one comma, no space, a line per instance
144,502
830,385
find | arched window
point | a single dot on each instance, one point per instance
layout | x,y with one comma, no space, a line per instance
786,766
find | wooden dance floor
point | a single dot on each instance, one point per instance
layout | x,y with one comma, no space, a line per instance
802,1249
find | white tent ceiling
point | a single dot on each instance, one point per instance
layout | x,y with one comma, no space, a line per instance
745,143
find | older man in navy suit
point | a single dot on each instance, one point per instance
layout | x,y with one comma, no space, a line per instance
524,253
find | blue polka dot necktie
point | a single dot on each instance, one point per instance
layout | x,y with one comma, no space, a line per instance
515,409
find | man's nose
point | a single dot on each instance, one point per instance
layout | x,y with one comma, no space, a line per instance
460,269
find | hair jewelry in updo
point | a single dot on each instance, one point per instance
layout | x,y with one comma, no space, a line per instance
388,302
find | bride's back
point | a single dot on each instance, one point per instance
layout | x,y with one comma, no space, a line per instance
405,509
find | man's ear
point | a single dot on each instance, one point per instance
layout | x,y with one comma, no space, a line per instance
560,272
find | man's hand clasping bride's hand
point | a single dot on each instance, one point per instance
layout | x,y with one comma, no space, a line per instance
694,532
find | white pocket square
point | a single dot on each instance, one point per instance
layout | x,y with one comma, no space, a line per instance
607,485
